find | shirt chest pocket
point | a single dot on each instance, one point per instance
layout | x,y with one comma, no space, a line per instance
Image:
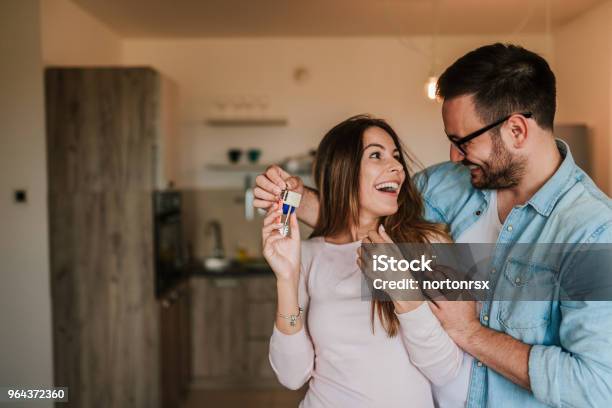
526,292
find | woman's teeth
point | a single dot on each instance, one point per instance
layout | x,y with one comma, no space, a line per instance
387,187
473,166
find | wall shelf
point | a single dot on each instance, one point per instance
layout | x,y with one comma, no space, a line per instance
238,168
245,168
246,122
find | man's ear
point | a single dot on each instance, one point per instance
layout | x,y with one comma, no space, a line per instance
519,130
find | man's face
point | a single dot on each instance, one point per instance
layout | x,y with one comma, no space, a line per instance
492,165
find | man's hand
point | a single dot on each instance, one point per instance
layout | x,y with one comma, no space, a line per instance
459,319
271,183
498,351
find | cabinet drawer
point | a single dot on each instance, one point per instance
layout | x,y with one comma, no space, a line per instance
261,320
258,362
261,289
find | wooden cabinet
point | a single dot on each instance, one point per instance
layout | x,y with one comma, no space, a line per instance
104,129
219,324
175,339
232,324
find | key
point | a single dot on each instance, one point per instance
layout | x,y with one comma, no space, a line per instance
291,201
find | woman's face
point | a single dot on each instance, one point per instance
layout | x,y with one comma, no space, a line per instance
381,174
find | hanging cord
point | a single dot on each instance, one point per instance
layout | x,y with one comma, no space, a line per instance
436,12
406,42
435,18
549,28
523,23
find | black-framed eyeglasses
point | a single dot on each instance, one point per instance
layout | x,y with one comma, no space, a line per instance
460,142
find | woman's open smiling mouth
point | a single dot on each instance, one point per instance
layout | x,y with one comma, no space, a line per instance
389,187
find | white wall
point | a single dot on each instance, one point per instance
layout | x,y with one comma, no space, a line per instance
583,62
71,36
348,76
25,304
374,74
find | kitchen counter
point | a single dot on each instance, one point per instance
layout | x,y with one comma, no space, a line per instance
233,270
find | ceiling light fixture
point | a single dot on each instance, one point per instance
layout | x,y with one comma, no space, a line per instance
430,87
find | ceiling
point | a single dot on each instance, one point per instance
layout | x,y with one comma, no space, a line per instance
240,18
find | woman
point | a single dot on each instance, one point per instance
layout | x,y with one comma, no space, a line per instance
355,353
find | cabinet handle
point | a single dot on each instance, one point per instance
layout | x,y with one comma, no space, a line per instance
166,304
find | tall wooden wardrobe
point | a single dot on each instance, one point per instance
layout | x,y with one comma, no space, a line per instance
107,134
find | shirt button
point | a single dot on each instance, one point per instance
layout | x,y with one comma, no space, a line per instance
509,228
517,280
493,271
478,212
479,364
485,318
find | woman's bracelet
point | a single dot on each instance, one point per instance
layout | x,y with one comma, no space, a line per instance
292,317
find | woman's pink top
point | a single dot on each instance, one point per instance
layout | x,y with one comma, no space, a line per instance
344,362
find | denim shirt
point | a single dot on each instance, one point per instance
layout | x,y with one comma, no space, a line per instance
570,362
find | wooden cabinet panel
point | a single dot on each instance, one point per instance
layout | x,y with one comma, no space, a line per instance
170,357
259,363
260,320
104,313
175,351
185,337
232,323
261,289
102,124
219,324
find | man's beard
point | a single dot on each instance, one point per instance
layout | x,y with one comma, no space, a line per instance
501,170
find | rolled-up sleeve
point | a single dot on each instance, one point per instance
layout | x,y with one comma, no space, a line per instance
579,372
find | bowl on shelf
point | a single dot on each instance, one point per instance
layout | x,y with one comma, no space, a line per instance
234,155
214,264
253,155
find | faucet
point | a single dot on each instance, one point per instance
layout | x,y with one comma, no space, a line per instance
249,196
214,229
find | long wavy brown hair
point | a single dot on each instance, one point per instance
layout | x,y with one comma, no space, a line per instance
337,171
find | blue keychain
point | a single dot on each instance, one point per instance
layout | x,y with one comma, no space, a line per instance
291,201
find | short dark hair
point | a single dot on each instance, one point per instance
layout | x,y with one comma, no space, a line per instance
503,79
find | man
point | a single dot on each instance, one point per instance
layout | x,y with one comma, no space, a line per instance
509,181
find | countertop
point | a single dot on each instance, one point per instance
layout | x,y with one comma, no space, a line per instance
234,270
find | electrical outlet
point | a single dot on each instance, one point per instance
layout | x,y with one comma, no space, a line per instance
21,196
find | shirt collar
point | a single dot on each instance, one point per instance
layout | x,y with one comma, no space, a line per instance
545,199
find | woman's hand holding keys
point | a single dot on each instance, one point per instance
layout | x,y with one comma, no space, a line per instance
283,256
282,253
